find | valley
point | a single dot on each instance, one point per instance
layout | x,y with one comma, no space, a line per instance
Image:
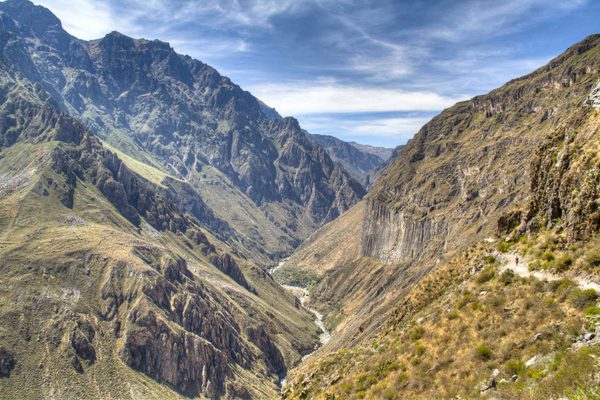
165,234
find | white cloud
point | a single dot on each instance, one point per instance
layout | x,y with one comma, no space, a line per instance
88,19
327,96
383,131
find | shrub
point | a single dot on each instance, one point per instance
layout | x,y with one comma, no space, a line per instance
515,367
583,298
483,352
490,259
563,263
592,311
508,277
485,275
420,349
464,300
417,333
548,255
593,258
504,247
385,368
560,285
534,266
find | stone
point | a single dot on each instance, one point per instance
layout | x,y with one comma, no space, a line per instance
7,363
531,361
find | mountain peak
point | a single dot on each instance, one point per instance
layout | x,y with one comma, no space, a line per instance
39,18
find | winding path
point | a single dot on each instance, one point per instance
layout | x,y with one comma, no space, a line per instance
521,268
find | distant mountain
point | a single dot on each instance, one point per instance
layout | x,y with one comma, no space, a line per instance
383,153
358,159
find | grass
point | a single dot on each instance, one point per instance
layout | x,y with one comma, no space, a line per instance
294,277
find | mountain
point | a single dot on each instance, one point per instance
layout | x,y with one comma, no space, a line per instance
517,163
142,195
357,159
383,153
259,173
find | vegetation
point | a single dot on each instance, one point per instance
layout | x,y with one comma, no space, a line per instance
499,320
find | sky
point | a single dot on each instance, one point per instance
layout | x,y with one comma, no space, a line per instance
371,71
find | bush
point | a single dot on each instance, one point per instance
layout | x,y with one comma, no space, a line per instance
583,298
508,277
489,259
593,258
563,263
464,300
534,266
592,311
504,247
548,256
485,275
420,349
515,367
417,333
483,352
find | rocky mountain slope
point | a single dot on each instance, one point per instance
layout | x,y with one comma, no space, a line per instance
513,161
356,158
110,287
383,153
258,173
141,196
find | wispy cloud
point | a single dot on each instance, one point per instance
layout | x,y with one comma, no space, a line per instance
327,96
379,129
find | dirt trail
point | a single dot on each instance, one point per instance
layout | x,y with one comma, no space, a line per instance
521,268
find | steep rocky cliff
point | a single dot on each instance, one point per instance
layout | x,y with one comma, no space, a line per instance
258,173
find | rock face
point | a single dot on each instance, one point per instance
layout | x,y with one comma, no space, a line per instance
7,363
472,163
357,159
182,116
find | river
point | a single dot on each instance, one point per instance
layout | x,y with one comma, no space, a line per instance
303,295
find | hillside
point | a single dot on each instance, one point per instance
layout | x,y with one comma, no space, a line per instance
109,289
511,162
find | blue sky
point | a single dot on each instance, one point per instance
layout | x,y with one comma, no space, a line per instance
370,71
